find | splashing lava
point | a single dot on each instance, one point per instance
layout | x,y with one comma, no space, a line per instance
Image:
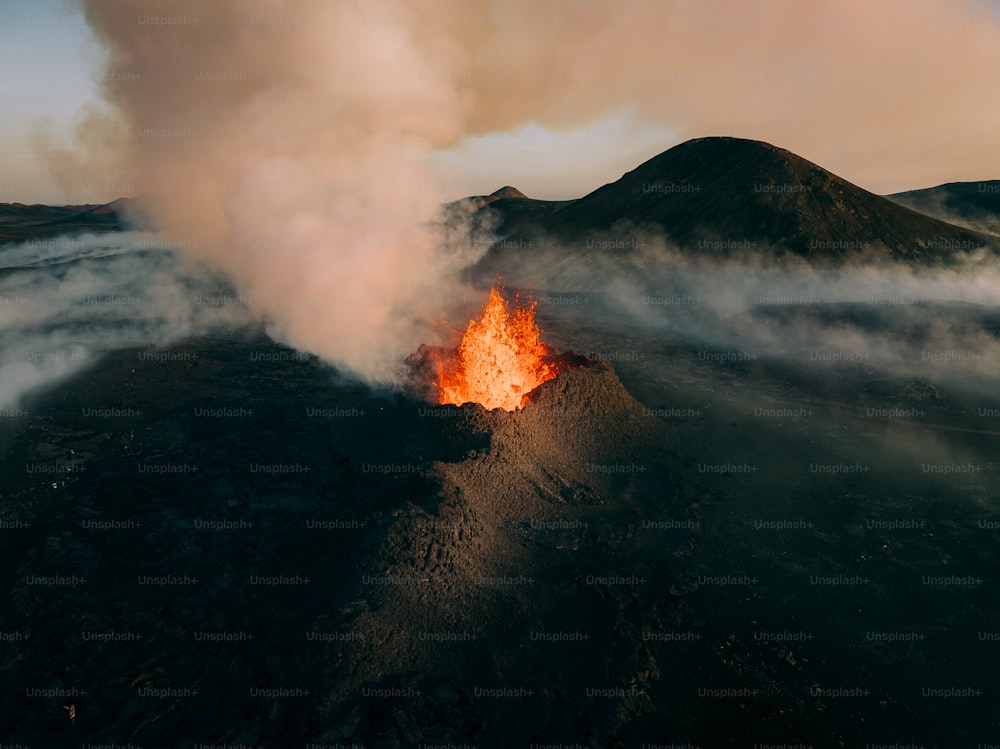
500,359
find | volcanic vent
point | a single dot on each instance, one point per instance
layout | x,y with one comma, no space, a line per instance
499,361
531,526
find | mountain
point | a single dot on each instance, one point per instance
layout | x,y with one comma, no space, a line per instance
974,205
475,202
732,195
510,215
23,214
20,222
502,212
507,192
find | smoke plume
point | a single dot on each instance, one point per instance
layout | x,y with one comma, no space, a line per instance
288,140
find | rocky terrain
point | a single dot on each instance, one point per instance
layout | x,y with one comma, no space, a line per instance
225,542
217,527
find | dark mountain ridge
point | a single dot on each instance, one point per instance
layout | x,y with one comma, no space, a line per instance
731,195
20,222
974,205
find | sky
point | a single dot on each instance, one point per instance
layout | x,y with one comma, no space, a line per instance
51,66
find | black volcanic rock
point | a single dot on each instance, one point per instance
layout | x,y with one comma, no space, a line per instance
424,545
509,544
974,205
734,195
436,554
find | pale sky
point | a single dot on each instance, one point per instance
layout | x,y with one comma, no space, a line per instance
555,166
50,66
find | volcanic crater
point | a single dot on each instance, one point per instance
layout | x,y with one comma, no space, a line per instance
527,541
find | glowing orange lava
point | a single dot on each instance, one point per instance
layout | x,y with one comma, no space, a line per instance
500,359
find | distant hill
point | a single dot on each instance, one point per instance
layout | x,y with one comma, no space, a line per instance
974,205
475,202
20,222
502,212
20,213
507,192
732,196
512,215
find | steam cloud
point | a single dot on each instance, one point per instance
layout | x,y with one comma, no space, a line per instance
66,300
289,141
902,321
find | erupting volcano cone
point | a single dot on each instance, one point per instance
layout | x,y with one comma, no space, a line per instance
500,359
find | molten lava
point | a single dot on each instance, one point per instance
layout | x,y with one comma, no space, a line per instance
500,359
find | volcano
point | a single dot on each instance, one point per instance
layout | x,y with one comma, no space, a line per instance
512,524
499,361
425,565
723,195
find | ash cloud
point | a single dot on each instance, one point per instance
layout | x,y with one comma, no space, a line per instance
291,140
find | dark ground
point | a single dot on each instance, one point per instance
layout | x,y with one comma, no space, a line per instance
580,572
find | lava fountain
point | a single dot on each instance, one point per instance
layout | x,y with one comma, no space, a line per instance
499,360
